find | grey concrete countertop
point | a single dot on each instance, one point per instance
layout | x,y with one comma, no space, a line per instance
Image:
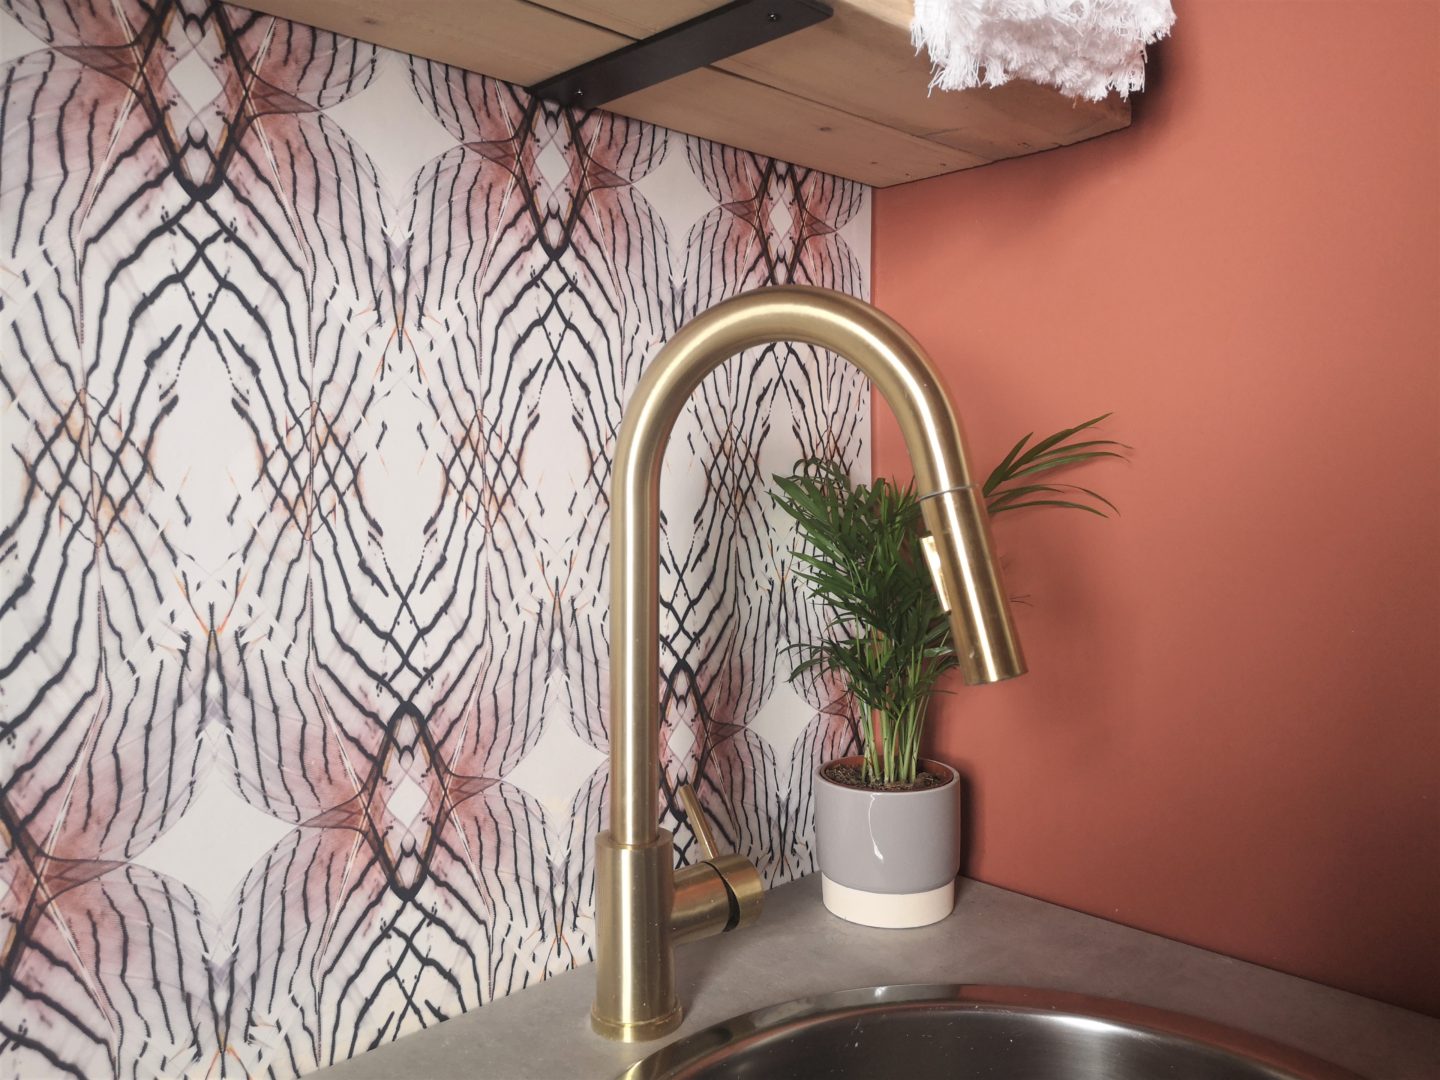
994,936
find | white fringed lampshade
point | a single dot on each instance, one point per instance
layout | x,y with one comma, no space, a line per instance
1084,48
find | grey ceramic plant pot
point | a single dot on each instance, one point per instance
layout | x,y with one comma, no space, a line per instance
888,858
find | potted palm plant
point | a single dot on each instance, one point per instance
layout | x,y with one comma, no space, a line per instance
887,820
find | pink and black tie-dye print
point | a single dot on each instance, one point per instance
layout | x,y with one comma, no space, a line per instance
303,544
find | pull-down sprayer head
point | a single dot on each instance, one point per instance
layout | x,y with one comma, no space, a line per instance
958,553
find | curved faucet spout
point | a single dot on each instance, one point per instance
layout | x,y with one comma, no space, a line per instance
635,997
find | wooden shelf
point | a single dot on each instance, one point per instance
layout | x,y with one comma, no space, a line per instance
848,96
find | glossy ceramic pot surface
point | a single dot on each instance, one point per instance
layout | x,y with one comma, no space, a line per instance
888,858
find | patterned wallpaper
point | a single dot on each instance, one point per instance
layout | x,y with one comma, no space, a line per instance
313,360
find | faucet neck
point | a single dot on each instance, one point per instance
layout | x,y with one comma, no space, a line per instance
900,372
642,908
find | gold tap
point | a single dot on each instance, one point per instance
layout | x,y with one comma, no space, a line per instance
643,906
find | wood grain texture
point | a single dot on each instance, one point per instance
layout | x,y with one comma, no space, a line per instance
848,96
861,62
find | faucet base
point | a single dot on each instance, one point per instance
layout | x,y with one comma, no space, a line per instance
643,909
642,1031
634,954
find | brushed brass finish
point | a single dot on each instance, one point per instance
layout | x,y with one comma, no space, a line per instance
640,911
702,903
698,825
698,911
931,551
747,888
635,975
967,579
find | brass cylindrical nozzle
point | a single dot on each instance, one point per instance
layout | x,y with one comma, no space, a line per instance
961,561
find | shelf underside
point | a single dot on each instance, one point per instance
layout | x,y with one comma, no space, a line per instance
848,95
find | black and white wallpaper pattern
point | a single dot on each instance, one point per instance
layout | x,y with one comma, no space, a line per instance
313,360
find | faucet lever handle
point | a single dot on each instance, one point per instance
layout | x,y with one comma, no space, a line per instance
698,825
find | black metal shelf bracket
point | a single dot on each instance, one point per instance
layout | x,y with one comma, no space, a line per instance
684,47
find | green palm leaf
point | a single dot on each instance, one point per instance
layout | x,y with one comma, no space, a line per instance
858,553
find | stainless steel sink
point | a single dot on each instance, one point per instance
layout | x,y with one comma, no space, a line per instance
925,1032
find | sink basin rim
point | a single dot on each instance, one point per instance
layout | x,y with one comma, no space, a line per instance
708,1043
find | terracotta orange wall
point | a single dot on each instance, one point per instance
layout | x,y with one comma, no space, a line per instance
1231,730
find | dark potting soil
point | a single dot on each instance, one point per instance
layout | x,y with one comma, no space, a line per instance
851,777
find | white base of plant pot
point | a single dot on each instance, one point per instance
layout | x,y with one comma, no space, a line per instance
893,911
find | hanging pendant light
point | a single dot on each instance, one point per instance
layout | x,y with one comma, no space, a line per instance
1084,48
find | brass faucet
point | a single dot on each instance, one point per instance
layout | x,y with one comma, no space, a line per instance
643,906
